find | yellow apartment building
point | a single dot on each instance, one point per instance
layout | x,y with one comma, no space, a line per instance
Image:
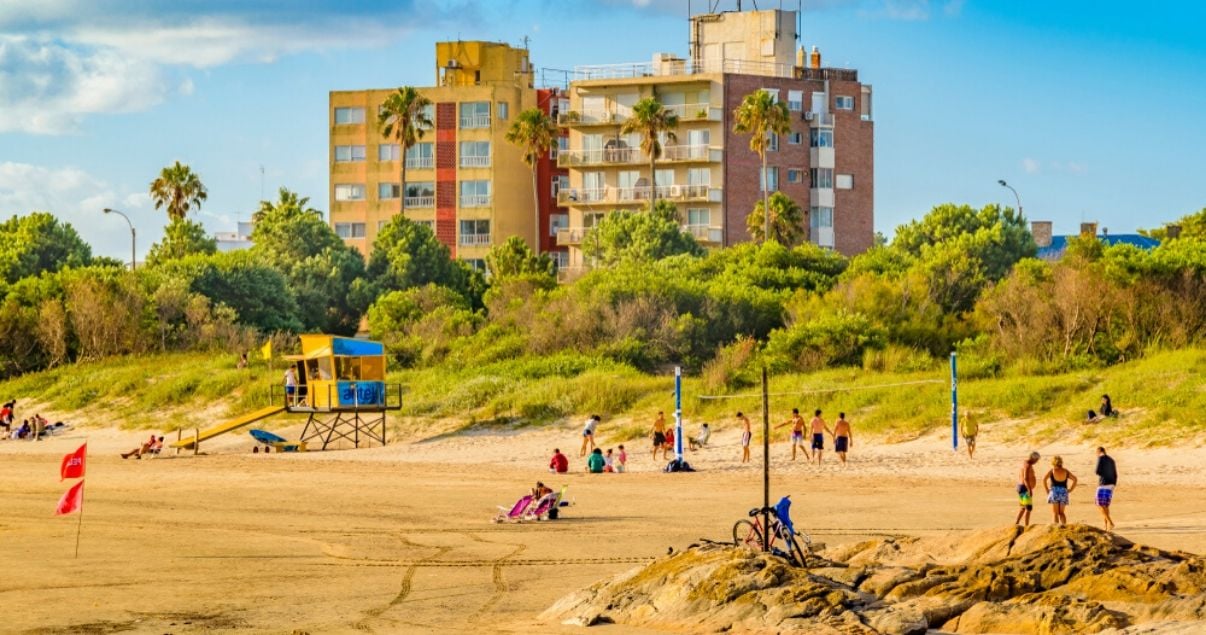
463,179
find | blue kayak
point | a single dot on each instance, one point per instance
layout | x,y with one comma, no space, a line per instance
266,437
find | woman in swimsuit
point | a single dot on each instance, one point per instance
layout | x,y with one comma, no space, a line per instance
1059,483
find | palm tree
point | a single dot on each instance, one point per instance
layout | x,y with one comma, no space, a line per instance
403,119
651,119
786,222
288,199
760,116
534,132
179,189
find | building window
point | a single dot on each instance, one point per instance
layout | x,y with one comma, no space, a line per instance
774,93
821,217
349,154
795,138
475,233
429,114
560,258
349,192
772,142
844,182
420,194
770,180
475,114
843,102
821,177
558,222
381,225
699,176
503,110
349,230
349,116
795,100
389,152
820,138
475,154
420,155
388,191
795,176
477,264
475,193
699,217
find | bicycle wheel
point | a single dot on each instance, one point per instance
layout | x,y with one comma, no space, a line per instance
745,533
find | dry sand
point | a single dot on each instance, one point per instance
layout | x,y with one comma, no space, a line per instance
398,539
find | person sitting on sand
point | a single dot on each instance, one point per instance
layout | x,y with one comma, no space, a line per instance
1026,485
145,448
843,436
609,462
819,429
541,490
1105,410
1059,484
701,439
23,431
970,429
559,464
595,462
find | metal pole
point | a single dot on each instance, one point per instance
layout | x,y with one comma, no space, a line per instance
765,462
954,404
80,525
678,414
1015,195
133,235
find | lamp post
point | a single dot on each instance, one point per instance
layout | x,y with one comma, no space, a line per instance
132,234
1015,194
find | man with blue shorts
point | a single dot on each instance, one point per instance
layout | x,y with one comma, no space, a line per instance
819,430
1107,480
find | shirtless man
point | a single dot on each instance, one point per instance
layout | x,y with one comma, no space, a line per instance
819,429
843,438
746,436
659,436
797,433
1026,484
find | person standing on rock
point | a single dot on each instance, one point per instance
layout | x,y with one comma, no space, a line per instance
1026,484
746,436
843,437
1107,480
1059,484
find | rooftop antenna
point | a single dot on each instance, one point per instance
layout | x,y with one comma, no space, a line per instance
525,42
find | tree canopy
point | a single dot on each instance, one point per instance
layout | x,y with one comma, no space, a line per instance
786,220
179,190
638,236
38,242
181,238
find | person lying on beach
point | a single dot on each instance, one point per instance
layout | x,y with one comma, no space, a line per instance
541,490
147,447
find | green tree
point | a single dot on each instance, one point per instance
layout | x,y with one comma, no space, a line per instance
181,238
403,119
629,236
178,189
407,254
760,116
258,293
534,132
997,237
39,242
786,224
514,259
652,121
1191,226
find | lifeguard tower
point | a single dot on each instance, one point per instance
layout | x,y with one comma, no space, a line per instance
341,384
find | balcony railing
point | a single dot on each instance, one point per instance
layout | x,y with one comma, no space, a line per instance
699,152
571,236
475,200
475,162
582,196
694,112
705,233
592,117
818,118
475,240
475,121
420,162
612,195
420,201
599,156
674,66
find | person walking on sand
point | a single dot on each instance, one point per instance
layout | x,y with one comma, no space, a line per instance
970,429
1026,484
819,430
746,436
1107,480
843,438
659,435
1059,484
797,433
588,433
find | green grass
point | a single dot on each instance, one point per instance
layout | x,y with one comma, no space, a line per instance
1163,392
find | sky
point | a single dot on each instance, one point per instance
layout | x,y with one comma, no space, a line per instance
1092,110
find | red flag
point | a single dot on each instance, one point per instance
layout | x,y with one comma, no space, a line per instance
72,500
73,464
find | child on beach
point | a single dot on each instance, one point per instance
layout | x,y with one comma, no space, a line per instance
608,462
622,464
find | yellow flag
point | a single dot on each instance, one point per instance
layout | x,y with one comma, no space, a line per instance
266,350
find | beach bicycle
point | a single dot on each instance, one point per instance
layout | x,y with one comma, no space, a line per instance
750,533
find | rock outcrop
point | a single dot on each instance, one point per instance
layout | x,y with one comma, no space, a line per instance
1044,579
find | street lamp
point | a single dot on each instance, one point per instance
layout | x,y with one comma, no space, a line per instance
1015,194
132,236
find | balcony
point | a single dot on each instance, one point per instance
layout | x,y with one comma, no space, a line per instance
818,118
663,67
420,162
700,152
475,162
590,118
695,112
638,194
571,236
469,122
475,240
475,200
420,201
583,196
705,234
599,156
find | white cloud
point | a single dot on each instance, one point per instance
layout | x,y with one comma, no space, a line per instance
1031,166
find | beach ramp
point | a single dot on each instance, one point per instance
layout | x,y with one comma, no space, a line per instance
233,424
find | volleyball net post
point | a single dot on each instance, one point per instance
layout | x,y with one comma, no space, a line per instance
954,403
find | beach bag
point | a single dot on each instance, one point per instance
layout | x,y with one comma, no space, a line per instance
678,466
552,514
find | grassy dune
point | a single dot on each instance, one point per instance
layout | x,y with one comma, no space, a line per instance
1163,392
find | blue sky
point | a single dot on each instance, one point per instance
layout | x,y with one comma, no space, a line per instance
1092,110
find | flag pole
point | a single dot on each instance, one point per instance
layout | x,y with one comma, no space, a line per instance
80,525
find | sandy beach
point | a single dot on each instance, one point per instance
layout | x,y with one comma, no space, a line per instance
398,539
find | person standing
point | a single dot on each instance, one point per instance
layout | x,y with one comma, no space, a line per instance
843,437
819,430
970,429
659,435
291,385
797,433
588,433
746,436
1059,484
1107,480
1026,483
622,465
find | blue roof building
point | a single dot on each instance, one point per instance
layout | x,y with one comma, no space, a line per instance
1052,248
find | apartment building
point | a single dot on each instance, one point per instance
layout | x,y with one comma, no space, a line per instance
463,179
825,163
